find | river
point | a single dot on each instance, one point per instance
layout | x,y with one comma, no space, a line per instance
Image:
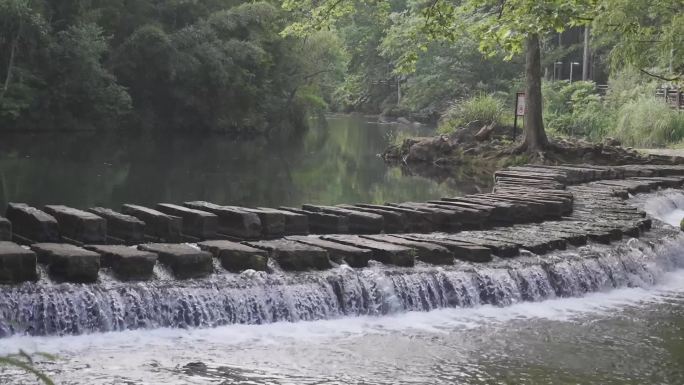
621,334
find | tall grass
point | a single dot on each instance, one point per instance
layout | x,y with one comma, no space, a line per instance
481,109
647,122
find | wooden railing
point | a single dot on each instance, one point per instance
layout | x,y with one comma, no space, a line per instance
672,96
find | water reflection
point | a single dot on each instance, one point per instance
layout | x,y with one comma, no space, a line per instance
333,162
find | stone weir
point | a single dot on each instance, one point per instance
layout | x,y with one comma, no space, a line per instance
543,232
532,208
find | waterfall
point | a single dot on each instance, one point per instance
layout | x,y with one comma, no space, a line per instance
666,205
47,308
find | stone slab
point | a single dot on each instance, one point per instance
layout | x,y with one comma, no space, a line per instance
196,223
5,229
272,222
126,228
353,256
294,256
232,221
236,257
417,221
425,251
499,248
295,223
159,225
128,263
184,261
67,262
17,264
461,250
360,222
32,224
384,252
394,221
79,225
323,223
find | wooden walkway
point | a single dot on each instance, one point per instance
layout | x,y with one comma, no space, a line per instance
532,208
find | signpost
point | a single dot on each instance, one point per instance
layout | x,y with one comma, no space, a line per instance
519,111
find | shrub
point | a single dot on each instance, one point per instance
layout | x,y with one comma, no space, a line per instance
482,109
647,122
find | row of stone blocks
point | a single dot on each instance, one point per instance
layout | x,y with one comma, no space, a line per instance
195,221
71,263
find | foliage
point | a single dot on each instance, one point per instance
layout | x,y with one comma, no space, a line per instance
575,109
24,361
647,122
482,109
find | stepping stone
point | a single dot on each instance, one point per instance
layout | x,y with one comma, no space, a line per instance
5,229
359,221
323,223
32,224
461,250
157,224
499,248
272,222
232,221
184,261
295,224
196,223
384,252
79,225
294,256
127,263
417,221
17,264
353,256
395,222
67,262
427,252
236,257
440,217
125,228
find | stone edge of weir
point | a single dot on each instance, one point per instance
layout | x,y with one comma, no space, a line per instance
532,208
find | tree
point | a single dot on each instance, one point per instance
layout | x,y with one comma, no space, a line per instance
511,26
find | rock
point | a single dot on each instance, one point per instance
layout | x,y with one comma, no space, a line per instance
394,221
5,229
323,223
359,221
126,228
184,261
236,257
485,132
233,221
461,250
384,252
67,262
32,224
79,225
157,224
197,223
353,256
272,222
17,264
295,223
430,149
425,251
294,256
127,263
613,142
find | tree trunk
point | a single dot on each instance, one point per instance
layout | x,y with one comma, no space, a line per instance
535,136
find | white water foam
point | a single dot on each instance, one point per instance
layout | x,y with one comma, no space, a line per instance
667,206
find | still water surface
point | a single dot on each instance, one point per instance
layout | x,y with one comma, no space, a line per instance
332,162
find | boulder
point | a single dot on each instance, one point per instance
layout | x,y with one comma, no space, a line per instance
236,257
79,225
126,228
197,223
17,264
429,149
232,220
5,229
294,256
67,262
184,261
32,224
127,263
157,224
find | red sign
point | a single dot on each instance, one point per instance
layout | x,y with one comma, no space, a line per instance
520,104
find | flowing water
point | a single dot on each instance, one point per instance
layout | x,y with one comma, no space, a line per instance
596,314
